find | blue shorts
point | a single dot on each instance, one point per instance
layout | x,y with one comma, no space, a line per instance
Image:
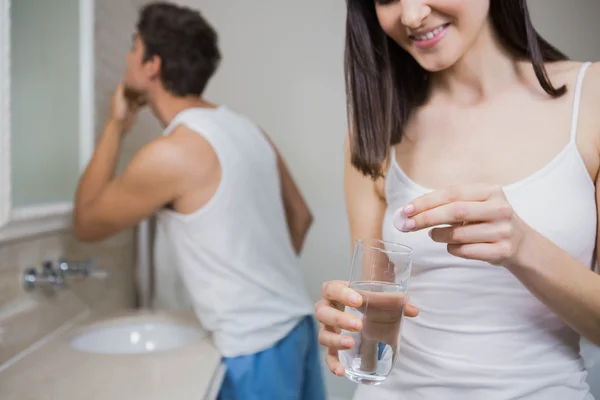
291,369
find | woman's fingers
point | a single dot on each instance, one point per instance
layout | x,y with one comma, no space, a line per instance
335,341
472,233
452,194
334,364
456,213
336,296
411,311
330,316
340,294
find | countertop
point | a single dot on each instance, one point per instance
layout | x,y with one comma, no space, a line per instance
53,370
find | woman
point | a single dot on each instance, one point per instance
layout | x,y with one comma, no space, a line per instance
502,133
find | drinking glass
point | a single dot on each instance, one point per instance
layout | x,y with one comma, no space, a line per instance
380,273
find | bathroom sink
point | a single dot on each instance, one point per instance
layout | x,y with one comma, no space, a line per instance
136,337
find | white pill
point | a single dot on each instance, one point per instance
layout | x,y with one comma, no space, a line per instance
399,219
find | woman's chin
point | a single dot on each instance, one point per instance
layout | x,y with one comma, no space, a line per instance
436,64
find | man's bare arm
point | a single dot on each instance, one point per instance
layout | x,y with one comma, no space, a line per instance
298,215
106,205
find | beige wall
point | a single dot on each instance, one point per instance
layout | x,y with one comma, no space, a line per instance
27,316
571,25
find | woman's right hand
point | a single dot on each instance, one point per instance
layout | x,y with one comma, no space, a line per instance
336,295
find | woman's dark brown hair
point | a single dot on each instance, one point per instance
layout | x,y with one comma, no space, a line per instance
384,84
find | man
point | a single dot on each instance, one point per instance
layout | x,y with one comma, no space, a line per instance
235,218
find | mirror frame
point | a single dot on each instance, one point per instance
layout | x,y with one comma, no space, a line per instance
18,222
5,194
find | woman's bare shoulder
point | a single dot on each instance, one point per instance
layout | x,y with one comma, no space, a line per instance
566,72
592,82
591,99
588,132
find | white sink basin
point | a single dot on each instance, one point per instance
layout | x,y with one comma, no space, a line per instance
136,337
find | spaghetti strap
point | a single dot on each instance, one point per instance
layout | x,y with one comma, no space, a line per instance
577,100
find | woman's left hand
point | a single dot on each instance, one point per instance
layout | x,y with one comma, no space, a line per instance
483,227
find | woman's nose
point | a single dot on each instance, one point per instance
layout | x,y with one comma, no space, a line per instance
414,12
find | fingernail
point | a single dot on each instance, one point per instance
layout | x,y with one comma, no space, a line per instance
399,219
346,342
354,324
354,298
409,225
408,209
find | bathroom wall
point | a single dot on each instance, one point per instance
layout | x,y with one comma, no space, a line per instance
572,26
25,317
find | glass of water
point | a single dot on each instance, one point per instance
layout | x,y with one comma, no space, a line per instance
380,273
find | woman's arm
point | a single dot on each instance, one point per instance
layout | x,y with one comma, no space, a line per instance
365,203
566,286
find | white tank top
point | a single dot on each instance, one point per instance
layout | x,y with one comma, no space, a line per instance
480,334
235,254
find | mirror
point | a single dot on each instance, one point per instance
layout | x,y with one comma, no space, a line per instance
44,92
47,113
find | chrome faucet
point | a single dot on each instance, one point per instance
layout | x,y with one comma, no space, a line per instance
82,268
47,277
52,275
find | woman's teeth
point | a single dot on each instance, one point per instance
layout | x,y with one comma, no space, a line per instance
430,35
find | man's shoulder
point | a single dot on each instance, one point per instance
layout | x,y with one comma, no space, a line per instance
160,150
184,150
161,157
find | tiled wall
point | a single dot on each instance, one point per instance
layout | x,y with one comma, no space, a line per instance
115,26
27,316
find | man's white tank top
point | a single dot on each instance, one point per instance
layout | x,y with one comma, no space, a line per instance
480,334
235,254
